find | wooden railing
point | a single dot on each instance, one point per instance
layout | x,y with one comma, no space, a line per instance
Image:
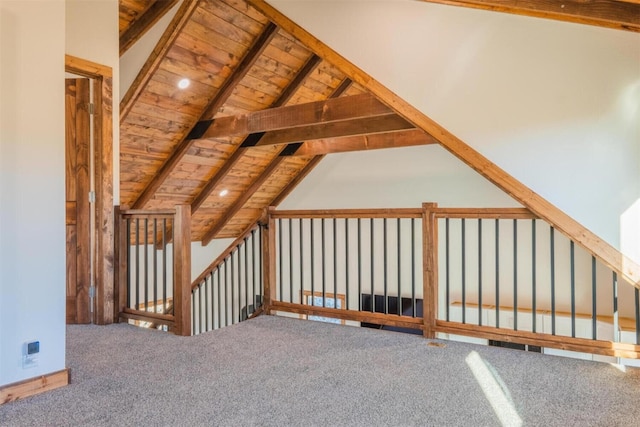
492,274
153,267
230,289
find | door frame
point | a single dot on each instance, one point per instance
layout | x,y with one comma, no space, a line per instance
103,175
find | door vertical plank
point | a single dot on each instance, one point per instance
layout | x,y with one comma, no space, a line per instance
83,213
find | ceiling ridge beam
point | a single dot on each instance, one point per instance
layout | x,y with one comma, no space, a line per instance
616,14
218,100
299,115
157,55
141,25
626,268
311,64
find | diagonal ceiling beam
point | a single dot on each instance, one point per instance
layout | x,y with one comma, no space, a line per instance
141,25
610,256
221,97
288,92
246,195
398,139
288,150
159,52
617,14
311,113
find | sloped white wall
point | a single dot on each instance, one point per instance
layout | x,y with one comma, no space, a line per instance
555,104
32,206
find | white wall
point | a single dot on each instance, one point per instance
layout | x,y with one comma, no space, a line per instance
92,34
32,207
555,104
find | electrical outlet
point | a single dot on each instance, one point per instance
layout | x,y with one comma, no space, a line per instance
30,353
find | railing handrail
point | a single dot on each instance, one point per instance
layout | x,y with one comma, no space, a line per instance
348,213
484,213
147,212
223,256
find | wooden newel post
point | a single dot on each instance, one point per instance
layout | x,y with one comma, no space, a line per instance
121,267
182,270
430,268
269,259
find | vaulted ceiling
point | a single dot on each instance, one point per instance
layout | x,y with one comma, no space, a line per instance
259,112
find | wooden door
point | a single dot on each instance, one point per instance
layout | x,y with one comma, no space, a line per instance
77,188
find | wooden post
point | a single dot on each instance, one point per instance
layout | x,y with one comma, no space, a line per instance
121,267
269,259
429,268
182,270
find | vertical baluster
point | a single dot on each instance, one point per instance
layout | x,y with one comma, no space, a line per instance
373,295
497,233
637,303
464,284
246,276
233,288
594,309
346,261
219,274
413,267
335,265
253,269
137,306
213,301
515,274
313,260
206,303
480,271
399,269
193,312
553,280
384,265
128,224
447,270
239,283
226,292
573,289
533,275
616,316
155,265
323,257
280,259
301,259
359,225
199,309
290,259
146,264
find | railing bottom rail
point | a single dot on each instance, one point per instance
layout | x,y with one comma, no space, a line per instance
584,345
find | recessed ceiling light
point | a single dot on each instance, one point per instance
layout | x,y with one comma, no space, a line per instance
184,83
224,193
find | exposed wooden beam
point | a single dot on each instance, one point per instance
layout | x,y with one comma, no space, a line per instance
241,70
362,126
286,94
239,203
398,139
159,52
342,88
223,94
141,25
607,254
311,113
617,14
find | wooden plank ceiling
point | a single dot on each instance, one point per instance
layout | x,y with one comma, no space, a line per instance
260,111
